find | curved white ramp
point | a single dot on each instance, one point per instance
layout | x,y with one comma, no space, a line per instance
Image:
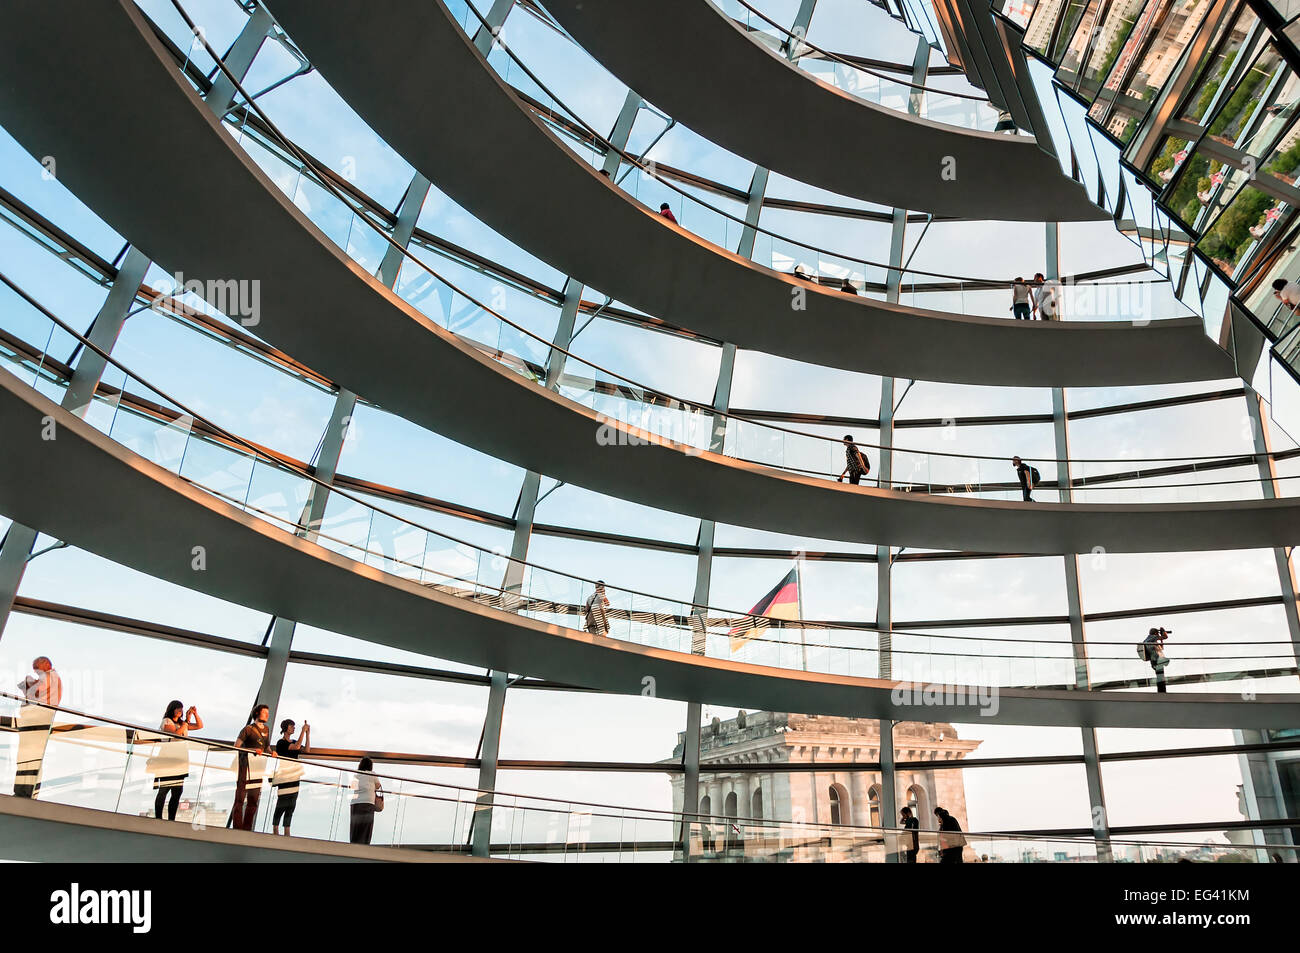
686,57
156,519
497,159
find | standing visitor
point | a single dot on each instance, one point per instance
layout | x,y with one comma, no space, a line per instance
913,824
595,610
1047,298
1020,300
252,743
170,762
951,841
288,773
42,691
367,800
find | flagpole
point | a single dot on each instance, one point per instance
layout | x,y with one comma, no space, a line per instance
798,593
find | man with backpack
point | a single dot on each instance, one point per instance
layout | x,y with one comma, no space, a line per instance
1028,476
856,463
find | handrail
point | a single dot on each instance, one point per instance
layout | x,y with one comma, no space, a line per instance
733,617
325,181
835,57
493,798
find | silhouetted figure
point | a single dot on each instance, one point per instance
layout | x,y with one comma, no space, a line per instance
911,823
951,841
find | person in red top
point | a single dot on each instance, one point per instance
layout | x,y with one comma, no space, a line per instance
43,692
667,213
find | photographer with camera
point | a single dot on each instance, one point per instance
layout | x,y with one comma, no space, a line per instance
1152,649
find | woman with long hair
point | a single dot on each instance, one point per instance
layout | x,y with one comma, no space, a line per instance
170,763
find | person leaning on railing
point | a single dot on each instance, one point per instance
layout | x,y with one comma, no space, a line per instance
252,742
951,840
288,773
367,801
1021,298
1047,303
1288,292
170,762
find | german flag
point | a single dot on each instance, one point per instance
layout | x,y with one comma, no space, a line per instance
781,603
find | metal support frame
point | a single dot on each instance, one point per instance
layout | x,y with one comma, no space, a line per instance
115,310
885,471
1073,595
700,598
104,331
481,826
530,487
704,559
280,641
799,28
240,57
1261,787
496,18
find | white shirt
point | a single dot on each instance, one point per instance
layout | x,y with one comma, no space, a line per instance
1047,297
43,688
1290,295
367,785
1019,293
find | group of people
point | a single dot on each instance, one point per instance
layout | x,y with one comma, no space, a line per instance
169,762
254,744
1039,299
951,839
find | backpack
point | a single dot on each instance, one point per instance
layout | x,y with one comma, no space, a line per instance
1142,651
1035,475
866,464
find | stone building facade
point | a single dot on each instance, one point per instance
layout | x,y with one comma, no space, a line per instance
768,743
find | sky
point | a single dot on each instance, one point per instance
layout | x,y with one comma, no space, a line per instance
131,678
